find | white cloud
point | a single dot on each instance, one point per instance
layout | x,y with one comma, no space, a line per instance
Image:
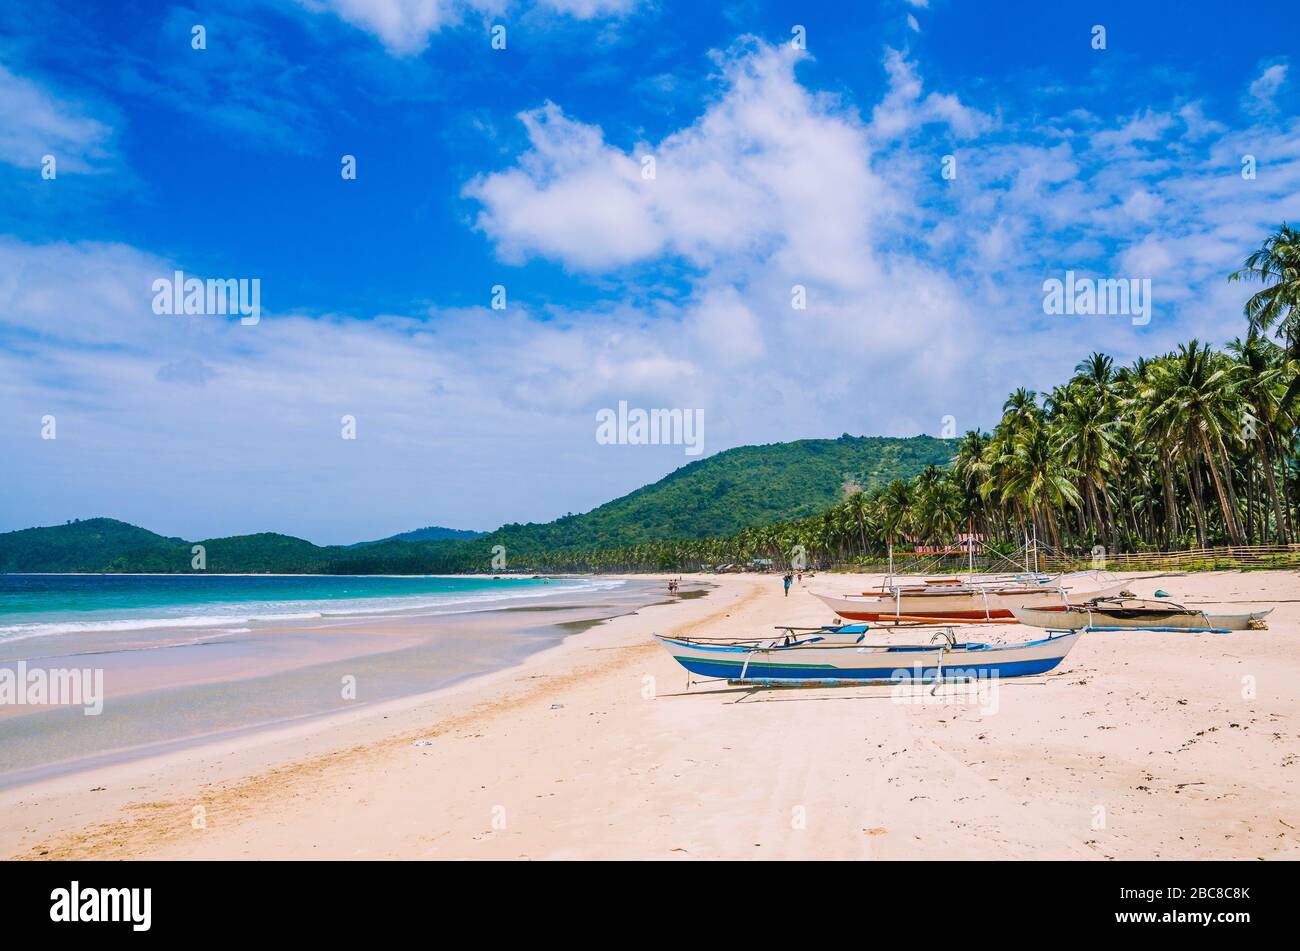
590,9
1148,126
406,26
903,110
769,173
771,187
34,123
1198,126
403,26
1263,89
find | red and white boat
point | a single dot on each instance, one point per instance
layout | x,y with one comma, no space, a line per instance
966,602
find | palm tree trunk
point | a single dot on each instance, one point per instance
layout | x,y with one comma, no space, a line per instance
1193,476
1229,513
1095,508
1112,528
1270,483
1173,529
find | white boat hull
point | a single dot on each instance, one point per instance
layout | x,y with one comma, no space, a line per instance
838,664
983,604
1076,619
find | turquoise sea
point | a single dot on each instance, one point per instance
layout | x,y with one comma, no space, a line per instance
39,605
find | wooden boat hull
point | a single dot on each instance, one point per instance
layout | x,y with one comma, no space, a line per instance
849,663
955,605
1075,619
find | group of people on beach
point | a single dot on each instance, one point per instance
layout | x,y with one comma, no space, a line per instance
673,585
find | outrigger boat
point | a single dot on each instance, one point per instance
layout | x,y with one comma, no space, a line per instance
1135,613
836,656
965,602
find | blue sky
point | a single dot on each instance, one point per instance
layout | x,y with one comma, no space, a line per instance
522,167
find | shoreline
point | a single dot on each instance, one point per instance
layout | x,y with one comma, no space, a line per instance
592,748
184,687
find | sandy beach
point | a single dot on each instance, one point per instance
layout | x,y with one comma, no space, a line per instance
1141,745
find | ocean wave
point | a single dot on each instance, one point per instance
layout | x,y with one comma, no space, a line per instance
271,611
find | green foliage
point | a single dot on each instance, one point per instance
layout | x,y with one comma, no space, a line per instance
96,544
739,488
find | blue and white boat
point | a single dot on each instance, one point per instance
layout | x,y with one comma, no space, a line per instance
837,656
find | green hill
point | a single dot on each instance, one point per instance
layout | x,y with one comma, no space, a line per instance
746,486
96,544
431,533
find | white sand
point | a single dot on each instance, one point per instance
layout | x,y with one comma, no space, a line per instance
1141,745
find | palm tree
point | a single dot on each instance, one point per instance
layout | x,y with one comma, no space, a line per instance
971,471
1087,424
894,509
1276,263
1262,389
856,507
1020,409
1097,371
1039,479
1193,399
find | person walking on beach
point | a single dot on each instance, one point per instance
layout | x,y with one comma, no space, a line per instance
787,579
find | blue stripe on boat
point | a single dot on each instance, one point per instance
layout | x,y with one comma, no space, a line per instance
761,671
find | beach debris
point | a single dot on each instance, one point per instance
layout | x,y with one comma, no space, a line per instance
1161,593
557,706
423,743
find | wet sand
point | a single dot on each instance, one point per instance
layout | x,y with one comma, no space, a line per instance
180,688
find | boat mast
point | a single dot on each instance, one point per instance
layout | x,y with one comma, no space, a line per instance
970,545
